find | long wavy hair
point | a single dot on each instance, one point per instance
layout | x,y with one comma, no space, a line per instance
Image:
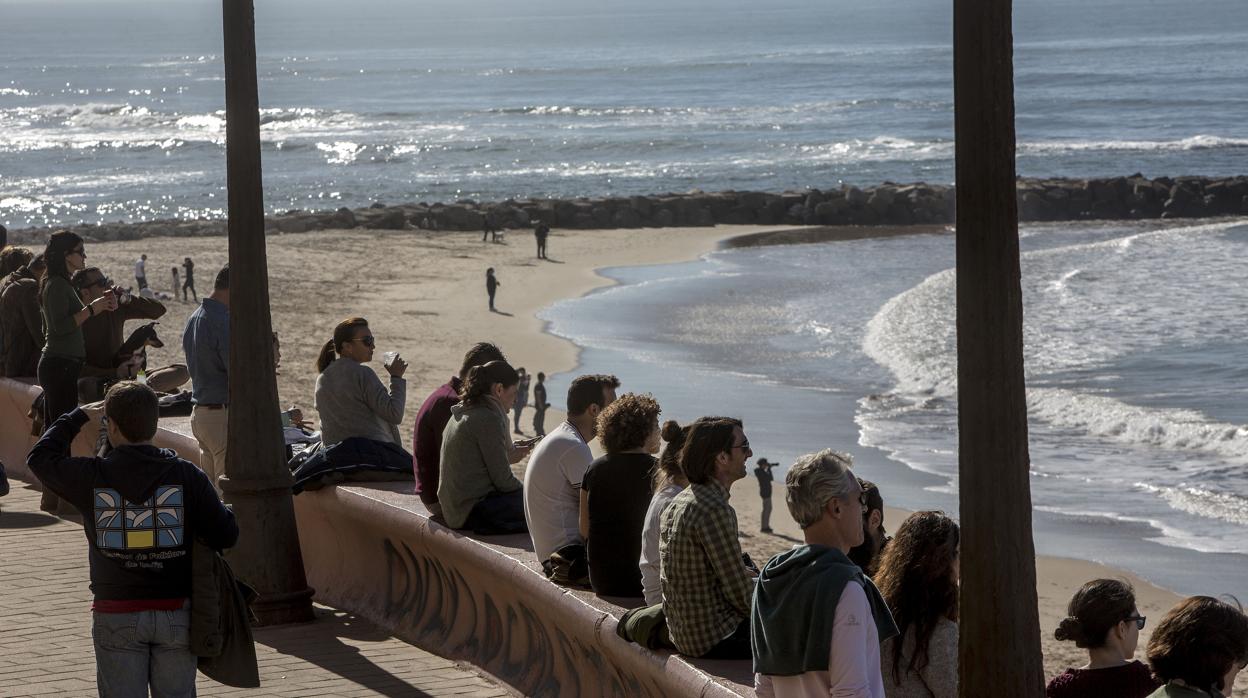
915,577
59,245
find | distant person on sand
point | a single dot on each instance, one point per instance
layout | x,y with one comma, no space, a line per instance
918,578
874,538
431,420
476,487
539,405
541,231
817,619
1103,619
21,323
140,271
1198,648
669,481
763,473
350,398
522,399
491,285
706,586
488,228
616,493
142,507
188,279
206,343
553,505
174,271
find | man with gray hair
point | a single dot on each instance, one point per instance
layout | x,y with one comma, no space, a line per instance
817,621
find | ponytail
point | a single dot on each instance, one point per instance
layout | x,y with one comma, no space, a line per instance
344,332
481,379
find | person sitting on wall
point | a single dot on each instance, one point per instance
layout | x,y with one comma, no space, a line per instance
350,398
1103,619
105,333
874,538
1198,648
669,481
706,585
616,493
476,487
553,505
817,620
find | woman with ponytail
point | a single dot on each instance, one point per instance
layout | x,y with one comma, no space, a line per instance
669,480
1102,618
64,350
351,399
476,487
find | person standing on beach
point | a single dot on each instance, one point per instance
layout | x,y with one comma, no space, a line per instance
540,405
491,285
140,271
142,508
763,473
188,280
174,272
522,399
206,342
541,232
817,620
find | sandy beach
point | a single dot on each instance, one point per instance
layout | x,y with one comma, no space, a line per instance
423,294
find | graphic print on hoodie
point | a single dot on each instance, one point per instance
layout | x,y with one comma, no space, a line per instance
156,523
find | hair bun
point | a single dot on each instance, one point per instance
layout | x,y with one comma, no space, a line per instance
672,431
1069,629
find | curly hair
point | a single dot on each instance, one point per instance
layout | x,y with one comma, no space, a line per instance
1199,641
1097,607
626,423
915,577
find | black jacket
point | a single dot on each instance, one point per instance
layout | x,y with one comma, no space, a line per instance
142,507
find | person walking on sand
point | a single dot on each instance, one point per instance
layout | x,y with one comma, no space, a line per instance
522,399
188,280
540,405
763,473
140,271
491,285
541,232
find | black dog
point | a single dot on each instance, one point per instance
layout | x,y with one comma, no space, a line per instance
143,337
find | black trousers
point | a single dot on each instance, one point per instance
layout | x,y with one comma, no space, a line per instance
58,375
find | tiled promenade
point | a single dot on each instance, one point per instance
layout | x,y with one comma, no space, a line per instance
45,630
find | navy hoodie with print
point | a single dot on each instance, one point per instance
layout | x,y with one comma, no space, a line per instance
141,506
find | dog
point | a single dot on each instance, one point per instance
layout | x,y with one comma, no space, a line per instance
143,337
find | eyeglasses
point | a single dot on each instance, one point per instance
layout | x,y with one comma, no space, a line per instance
744,445
1139,621
366,341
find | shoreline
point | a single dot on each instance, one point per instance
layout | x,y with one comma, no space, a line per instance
423,289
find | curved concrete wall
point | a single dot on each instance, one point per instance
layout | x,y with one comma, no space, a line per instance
372,550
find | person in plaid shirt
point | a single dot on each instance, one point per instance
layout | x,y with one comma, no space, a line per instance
706,585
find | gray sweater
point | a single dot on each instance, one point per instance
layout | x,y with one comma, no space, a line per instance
939,679
352,401
475,449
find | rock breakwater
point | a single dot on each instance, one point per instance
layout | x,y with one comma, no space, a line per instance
1112,198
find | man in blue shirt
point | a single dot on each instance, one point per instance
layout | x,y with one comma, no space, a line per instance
206,341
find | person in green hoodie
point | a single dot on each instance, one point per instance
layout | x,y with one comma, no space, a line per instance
1198,649
836,651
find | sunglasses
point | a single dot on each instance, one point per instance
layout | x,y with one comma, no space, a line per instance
366,341
1139,621
744,445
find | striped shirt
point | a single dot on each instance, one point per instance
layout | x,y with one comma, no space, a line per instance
706,589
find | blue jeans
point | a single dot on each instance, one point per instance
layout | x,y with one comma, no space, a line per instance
135,650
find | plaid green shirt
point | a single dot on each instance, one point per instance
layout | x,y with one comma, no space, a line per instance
706,589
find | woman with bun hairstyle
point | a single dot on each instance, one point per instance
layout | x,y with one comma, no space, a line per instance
351,399
476,487
918,578
669,480
1102,618
1198,649
616,491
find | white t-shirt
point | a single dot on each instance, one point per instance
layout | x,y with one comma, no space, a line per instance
139,269
854,664
649,563
552,489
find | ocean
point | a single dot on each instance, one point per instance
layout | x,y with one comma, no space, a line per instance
113,109
1133,350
